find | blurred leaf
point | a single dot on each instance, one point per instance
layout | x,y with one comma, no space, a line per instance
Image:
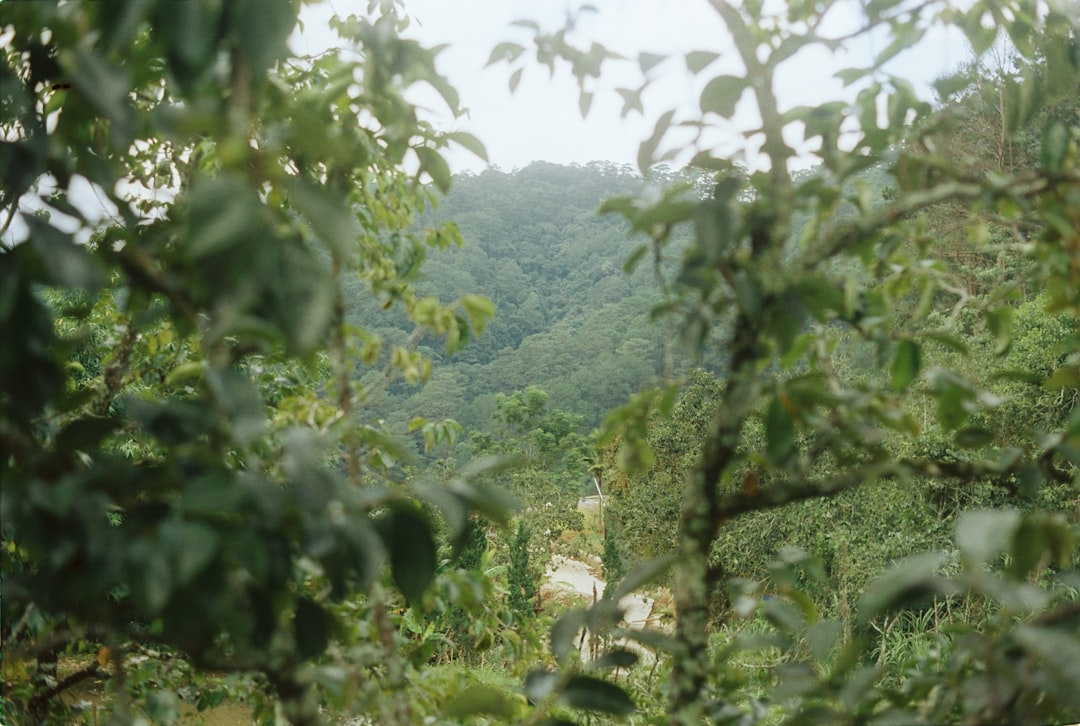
62,261
432,162
311,626
779,432
906,365
223,213
515,79
655,639
616,659
539,684
648,61
1058,656
973,438
188,31
585,100
407,535
470,142
699,60
163,706
643,574
721,95
910,583
593,694
260,29
330,217
1055,146
85,433
564,633
195,544
505,51
982,534
480,700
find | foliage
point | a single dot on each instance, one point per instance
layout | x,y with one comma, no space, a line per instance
188,466
612,565
853,335
569,321
521,580
193,474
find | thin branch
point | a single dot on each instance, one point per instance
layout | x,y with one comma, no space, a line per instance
856,232
40,701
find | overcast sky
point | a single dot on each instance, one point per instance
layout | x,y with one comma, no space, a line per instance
541,121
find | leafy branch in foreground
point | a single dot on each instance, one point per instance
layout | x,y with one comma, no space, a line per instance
800,274
187,459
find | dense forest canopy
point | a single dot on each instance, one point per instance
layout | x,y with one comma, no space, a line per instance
568,319
299,426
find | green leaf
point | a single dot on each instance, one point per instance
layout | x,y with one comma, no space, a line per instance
643,574
973,438
539,684
949,85
982,534
714,229
85,433
260,29
223,213
699,60
783,615
656,640
188,31
564,633
779,432
505,51
956,399
648,61
515,79
616,659
721,95
407,535
585,100
593,694
162,705
329,215
647,148
850,75
194,544
905,366
1057,655
911,583
470,142
999,321
311,627
62,261
1067,376
631,101
432,162
480,700
1038,539
635,257
453,508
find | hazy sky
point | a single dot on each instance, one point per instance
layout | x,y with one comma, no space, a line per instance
542,121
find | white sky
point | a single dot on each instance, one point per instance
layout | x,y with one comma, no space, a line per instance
541,121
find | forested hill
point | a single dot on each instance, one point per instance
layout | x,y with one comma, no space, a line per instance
568,318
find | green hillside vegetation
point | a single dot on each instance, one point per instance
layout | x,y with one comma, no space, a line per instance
568,319
293,434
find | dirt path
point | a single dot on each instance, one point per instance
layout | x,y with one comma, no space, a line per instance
567,575
575,576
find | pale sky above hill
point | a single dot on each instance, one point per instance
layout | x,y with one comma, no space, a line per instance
541,121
